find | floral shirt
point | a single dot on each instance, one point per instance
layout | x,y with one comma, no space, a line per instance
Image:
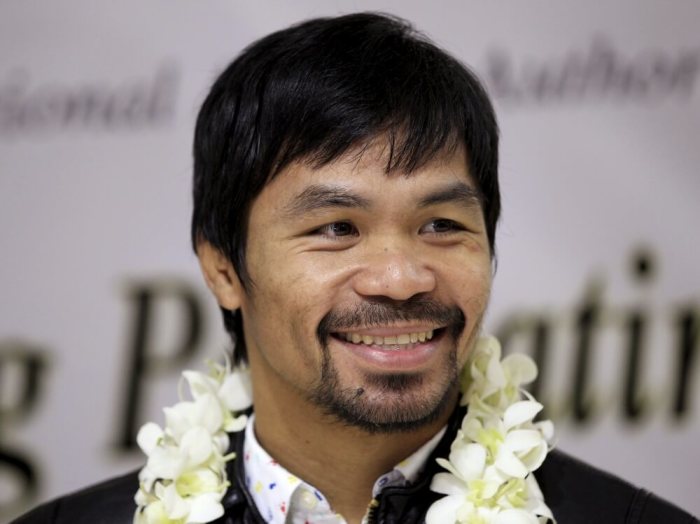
283,498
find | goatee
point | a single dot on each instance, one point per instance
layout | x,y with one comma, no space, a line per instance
389,402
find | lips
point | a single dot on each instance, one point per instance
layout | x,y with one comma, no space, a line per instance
392,351
391,340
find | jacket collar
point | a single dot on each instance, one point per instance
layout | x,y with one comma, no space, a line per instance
406,504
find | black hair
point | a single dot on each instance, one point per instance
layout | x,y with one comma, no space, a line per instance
312,93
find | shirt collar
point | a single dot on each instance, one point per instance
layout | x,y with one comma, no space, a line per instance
283,498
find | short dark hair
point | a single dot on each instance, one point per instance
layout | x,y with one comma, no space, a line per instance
312,93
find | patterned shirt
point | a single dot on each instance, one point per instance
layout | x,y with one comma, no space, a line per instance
283,498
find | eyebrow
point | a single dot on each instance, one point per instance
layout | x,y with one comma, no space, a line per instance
319,197
457,193
316,197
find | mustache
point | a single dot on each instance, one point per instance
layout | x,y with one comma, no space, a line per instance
379,313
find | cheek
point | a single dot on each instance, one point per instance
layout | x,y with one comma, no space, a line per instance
470,283
307,283
281,334
480,282
288,300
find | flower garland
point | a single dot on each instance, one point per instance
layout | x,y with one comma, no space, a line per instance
489,476
184,479
498,447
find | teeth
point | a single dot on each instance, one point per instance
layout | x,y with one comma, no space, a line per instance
403,339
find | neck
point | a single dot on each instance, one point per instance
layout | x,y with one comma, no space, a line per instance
341,461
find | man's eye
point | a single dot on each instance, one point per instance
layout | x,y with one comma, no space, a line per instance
441,225
338,229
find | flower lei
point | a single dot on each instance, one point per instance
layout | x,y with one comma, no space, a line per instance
497,448
488,480
184,479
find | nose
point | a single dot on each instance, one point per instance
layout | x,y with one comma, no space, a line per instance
394,272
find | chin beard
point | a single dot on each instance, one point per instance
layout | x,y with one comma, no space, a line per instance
388,402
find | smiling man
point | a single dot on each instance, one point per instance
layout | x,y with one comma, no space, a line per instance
345,207
344,219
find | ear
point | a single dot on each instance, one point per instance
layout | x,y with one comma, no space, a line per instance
220,276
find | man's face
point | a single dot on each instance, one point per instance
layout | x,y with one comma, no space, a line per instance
368,289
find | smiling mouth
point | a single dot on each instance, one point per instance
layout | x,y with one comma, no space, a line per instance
393,341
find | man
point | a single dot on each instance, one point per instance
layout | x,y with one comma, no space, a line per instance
345,207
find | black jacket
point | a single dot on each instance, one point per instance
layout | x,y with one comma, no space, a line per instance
575,492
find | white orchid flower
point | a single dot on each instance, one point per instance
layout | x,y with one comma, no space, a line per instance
232,390
236,391
204,412
496,382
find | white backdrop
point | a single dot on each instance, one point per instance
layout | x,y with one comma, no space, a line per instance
600,117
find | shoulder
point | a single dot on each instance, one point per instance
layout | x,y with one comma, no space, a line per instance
109,502
579,493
